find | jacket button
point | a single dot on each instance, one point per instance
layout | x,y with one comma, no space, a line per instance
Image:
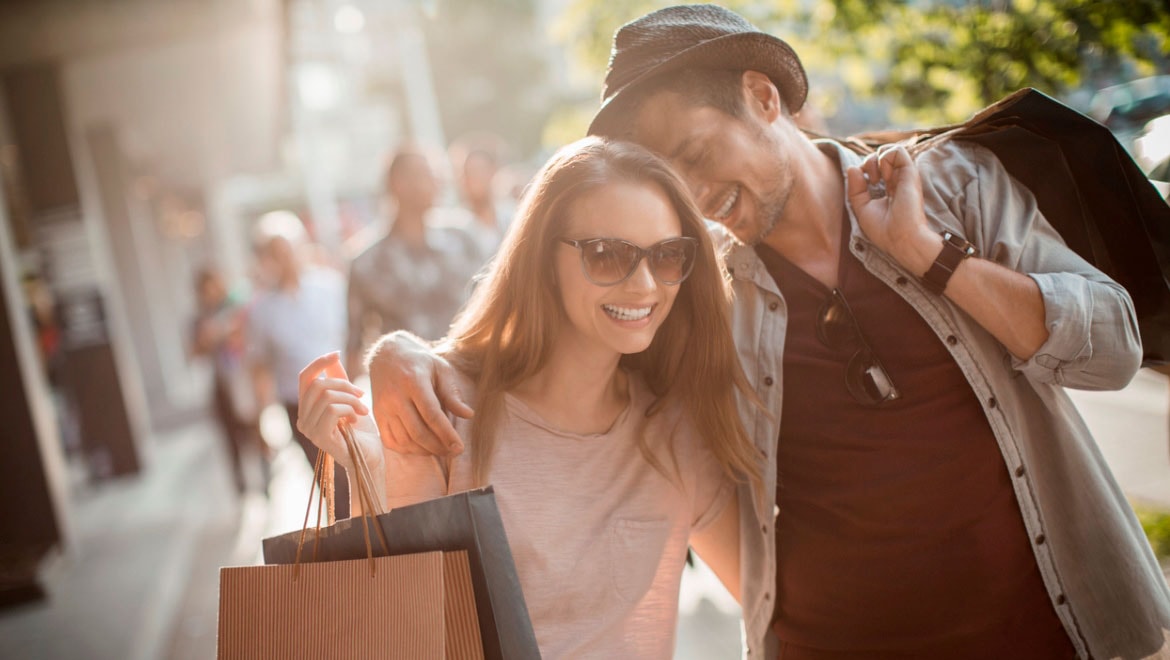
768,380
764,528
1020,471
952,340
859,246
991,403
773,305
1040,539
767,596
1061,600
901,280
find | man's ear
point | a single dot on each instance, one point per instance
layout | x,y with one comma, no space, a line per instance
761,96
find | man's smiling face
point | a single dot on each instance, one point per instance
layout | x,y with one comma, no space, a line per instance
736,168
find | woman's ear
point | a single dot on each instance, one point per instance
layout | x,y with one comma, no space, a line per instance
761,96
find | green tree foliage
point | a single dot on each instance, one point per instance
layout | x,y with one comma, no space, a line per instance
935,60
949,58
489,69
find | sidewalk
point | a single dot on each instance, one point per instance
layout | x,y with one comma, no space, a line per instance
141,581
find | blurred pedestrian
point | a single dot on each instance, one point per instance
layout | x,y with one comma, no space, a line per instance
297,314
218,334
418,275
476,160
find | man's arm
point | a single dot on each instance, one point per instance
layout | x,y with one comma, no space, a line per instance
1062,320
411,387
1006,303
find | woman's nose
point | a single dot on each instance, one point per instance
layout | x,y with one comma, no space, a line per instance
642,278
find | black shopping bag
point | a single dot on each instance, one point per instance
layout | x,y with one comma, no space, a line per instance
465,521
1086,185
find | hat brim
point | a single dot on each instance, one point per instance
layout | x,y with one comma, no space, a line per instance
754,51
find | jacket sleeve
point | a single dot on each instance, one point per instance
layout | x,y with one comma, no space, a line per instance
1093,341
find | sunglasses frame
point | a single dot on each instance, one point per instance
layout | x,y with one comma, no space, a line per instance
856,369
643,253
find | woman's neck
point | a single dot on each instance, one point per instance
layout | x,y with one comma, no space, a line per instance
577,391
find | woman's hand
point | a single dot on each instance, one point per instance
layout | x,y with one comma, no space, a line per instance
326,401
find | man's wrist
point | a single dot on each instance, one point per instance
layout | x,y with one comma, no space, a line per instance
918,255
955,250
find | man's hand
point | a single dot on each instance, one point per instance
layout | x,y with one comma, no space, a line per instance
886,196
412,386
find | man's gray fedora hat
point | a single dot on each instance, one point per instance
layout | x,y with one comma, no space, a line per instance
693,37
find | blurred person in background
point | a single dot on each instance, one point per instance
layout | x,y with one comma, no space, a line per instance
417,276
476,160
218,334
298,313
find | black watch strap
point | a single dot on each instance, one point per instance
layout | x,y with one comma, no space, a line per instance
954,250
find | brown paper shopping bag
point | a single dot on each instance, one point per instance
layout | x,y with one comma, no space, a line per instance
419,605
408,606
464,521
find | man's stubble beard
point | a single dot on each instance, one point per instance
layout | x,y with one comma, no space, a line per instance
772,207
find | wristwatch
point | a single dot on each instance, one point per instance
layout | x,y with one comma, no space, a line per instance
954,250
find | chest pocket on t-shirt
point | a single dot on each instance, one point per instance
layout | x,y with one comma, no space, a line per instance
635,549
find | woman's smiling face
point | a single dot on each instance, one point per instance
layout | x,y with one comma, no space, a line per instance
622,318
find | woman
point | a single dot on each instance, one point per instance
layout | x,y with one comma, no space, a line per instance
599,353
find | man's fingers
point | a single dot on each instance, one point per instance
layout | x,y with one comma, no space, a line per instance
856,187
411,442
449,395
430,414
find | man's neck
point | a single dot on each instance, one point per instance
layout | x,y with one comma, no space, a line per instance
410,227
809,232
484,212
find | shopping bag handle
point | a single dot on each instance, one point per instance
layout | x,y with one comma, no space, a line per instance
363,485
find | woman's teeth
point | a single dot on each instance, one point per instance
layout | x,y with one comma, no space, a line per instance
721,214
627,313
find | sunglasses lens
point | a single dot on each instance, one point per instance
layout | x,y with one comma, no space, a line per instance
867,381
608,261
672,260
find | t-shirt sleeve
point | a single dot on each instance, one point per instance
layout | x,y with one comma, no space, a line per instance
412,479
711,488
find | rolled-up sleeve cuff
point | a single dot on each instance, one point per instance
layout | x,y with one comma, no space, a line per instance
1068,315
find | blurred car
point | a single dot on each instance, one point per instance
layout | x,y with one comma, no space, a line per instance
1152,148
1127,107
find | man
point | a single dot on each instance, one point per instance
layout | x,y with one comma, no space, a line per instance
298,313
476,160
936,494
415,278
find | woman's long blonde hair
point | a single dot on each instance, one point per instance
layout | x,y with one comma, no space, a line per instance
509,327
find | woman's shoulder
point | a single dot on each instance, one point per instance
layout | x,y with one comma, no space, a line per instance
665,413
